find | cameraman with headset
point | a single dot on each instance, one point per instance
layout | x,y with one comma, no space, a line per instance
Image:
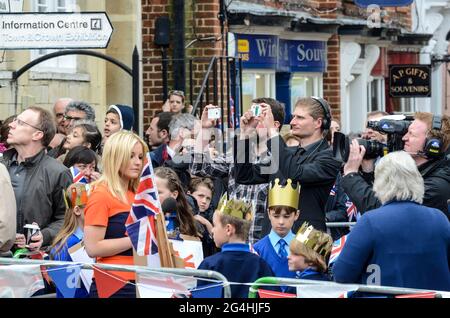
311,164
339,207
427,141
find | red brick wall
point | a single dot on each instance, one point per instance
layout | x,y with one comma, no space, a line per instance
202,23
397,16
152,76
206,24
202,18
331,79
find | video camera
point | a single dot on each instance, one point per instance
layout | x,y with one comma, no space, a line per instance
394,128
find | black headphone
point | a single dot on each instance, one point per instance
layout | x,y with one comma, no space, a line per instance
326,121
434,146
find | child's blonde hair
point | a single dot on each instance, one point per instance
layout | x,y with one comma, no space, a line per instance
238,213
312,257
75,195
241,226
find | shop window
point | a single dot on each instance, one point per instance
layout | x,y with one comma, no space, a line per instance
62,64
375,95
305,85
404,105
257,84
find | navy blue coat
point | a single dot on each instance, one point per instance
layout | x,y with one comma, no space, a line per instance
403,243
237,266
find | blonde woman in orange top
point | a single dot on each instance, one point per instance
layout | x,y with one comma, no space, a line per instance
109,205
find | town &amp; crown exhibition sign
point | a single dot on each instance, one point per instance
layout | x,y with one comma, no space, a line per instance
62,30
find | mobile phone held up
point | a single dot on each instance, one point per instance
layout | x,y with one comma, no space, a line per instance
256,110
31,230
214,113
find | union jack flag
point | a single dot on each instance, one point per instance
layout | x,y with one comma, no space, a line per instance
78,176
141,221
347,294
352,211
333,190
336,249
232,118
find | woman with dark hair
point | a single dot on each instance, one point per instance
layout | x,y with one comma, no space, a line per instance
4,130
82,134
169,185
85,160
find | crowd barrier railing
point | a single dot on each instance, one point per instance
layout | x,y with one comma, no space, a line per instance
339,224
375,289
207,274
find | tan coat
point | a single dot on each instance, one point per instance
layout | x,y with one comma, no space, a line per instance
7,211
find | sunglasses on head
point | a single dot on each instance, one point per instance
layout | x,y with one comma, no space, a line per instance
174,92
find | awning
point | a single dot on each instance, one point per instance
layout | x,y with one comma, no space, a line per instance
241,12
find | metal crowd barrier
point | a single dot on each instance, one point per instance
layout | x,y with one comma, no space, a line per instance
360,288
209,274
339,224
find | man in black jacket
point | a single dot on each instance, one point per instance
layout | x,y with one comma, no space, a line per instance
435,170
311,164
37,179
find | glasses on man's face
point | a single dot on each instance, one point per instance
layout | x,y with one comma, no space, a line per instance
69,118
59,115
20,122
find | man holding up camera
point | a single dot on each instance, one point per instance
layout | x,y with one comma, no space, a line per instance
427,140
222,166
311,164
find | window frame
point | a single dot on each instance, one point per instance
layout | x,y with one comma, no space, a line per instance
62,64
269,84
380,84
317,79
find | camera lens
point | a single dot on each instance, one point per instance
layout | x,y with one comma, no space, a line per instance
374,149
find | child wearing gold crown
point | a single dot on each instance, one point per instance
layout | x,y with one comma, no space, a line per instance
71,233
231,224
282,212
310,251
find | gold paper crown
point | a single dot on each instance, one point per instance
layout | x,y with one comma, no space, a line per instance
236,208
76,195
318,241
287,195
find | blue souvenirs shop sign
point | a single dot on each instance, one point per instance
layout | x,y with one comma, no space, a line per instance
270,52
302,56
384,3
258,51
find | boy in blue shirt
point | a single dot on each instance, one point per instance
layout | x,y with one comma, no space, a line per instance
283,212
231,224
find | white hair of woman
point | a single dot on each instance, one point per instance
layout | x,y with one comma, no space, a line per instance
397,178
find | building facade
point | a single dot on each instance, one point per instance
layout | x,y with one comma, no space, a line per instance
433,17
79,77
290,49
280,48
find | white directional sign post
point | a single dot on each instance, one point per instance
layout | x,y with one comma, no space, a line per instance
79,30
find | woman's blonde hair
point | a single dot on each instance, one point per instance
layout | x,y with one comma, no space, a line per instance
397,178
70,219
116,156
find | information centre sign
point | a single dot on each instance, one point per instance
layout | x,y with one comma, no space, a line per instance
54,30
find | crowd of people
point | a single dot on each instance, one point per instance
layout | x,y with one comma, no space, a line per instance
261,205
